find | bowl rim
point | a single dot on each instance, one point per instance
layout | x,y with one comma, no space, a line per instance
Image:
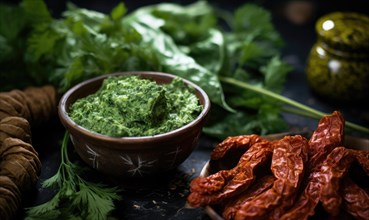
68,122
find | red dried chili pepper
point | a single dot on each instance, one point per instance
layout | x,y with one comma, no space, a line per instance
288,162
234,143
334,168
261,184
304,174
327,136
355,199
227,183
362,157
224,154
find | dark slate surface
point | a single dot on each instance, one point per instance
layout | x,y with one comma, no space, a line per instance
166,198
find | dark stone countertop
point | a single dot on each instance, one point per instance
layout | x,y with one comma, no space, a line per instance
166,199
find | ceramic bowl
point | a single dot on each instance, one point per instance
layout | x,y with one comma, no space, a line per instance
125,157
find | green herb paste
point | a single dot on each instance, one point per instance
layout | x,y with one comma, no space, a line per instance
127,106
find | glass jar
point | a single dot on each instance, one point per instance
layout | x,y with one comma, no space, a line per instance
338,63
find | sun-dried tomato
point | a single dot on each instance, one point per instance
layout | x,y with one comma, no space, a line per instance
355,199
287,178
288,162
327,136
334,168
234,143
362,157
222,157
216,188
259,186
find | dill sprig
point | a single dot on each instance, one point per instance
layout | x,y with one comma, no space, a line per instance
76,197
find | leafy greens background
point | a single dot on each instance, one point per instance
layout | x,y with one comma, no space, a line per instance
198,42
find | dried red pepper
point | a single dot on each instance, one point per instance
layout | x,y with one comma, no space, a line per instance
334,168
227,183
233,205
233,143
327,136
222,157
244,192
355,200
288,162
362,157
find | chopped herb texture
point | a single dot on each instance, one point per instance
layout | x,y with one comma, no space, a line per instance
127,106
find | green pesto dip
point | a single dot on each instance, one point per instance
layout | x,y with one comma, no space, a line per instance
130,106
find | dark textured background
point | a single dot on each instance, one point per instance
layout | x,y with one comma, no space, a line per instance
166,199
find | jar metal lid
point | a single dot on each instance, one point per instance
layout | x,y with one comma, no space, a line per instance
344,30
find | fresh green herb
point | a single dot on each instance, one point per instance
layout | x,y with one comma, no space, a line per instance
13,24
198,42
300,109
76,198
123,108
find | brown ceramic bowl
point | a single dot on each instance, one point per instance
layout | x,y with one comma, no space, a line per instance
128,157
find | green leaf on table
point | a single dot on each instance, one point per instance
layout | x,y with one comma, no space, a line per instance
173,59
264,120
41,43
187,41
12,21
36,11
250,51
75,195
14,28
209,52
275,72
85,44
255,21
184,24
96,198
118,11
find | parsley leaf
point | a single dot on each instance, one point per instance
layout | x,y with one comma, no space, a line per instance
76,197
198,42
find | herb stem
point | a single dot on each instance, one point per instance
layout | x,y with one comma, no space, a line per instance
64,148
306,110
300,112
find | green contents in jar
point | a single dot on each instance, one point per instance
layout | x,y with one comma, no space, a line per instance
338,64
129,106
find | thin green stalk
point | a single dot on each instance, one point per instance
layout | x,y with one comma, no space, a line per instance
64,150
306,110
299,112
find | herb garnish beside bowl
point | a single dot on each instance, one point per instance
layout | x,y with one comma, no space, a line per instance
145,149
